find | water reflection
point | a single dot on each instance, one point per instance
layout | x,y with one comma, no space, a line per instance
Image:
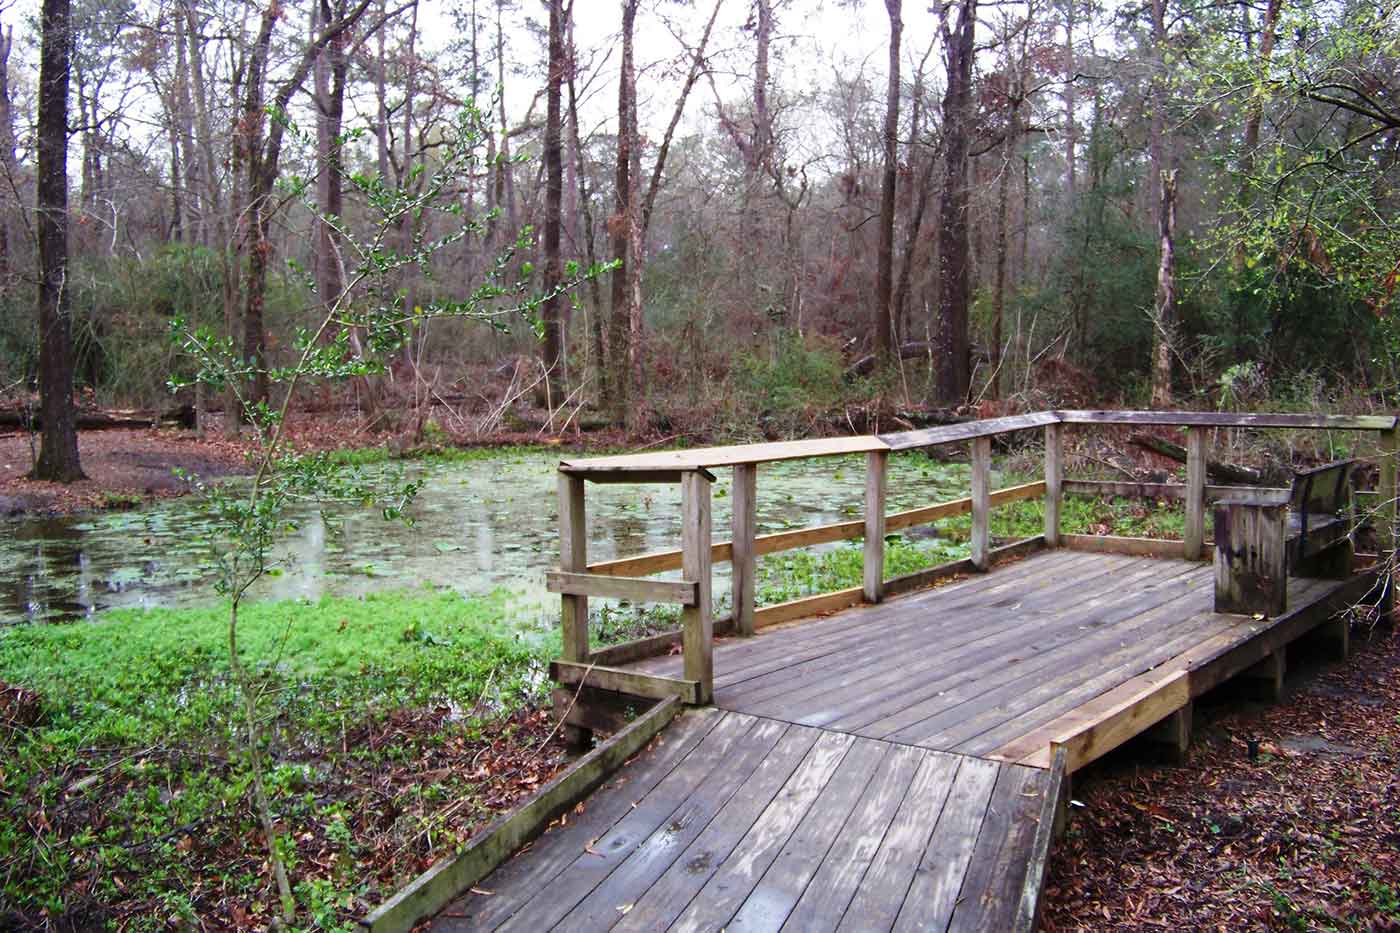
477,526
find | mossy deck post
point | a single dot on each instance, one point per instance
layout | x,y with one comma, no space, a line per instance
1194,533
1054,481
876,470
697,621
743,561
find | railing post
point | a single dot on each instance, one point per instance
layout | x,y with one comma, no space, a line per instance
573,558
1194,534
742,561
981,502
876,464
1386,525
697,622
1054,478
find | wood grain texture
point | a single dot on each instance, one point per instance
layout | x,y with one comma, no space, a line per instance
981,502
873,568
1194,531
623,680
1054,482
744,502
697,621
634,589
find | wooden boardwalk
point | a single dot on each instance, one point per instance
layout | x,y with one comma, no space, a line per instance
741,822
885,767
866,760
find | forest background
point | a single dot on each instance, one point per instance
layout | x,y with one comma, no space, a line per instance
1027,201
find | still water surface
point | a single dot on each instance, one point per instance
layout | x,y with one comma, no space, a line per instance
478,525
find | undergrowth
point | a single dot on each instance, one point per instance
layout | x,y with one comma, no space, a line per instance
122,801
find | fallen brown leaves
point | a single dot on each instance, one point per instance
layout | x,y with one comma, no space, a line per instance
1304,835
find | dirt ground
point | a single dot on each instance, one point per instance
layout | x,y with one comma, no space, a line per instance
1283,817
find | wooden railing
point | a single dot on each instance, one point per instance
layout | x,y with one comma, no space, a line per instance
577,579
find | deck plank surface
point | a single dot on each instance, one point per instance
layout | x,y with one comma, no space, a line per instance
858,771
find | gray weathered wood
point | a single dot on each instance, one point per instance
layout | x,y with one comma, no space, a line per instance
1194,533
1054,479
697,621
743,501
1027,918
438,886
1172,491
1173,734
953,433
1229,419
1250,558
875,475
981,502
635,589
622,680
573,558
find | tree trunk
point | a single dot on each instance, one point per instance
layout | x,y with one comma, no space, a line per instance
1166,296
1163,189
621,349
1254,114
553,205
595,290
58,450
9,163
884,284
954,291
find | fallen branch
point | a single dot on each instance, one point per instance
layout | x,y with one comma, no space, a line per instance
1227,472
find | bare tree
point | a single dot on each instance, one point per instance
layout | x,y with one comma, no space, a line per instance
884,321
954,250
58,451
554,191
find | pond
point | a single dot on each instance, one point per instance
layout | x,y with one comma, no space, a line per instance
479,524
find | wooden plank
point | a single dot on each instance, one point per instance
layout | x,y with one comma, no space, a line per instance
906,583
856,668
981,502
971,692
1225,419
1097,728
1171,491
634,589
1116,544
598,710
966,431
877,901
1124,638
1194,533
697,621
1027,917
658,908
625,680
823,903
650,646
631,476
817,691
771,901
991,894
438,886
602,907
743,501
805,537
874,531
941,510
929,902
518,880
594,862
715,457
1054,482
729,887
807,606
573,557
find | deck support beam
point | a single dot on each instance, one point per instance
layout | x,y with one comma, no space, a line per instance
1173,734
1264,681
1194,533
573,558
981,502
743,501
697,621
876,470
1054,482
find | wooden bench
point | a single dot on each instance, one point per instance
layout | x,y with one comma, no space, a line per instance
1261,539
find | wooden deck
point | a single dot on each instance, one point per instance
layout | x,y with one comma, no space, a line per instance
887,767
974,666
740,822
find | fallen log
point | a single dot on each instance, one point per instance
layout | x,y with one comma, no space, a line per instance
1226,472
104,420
907,351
